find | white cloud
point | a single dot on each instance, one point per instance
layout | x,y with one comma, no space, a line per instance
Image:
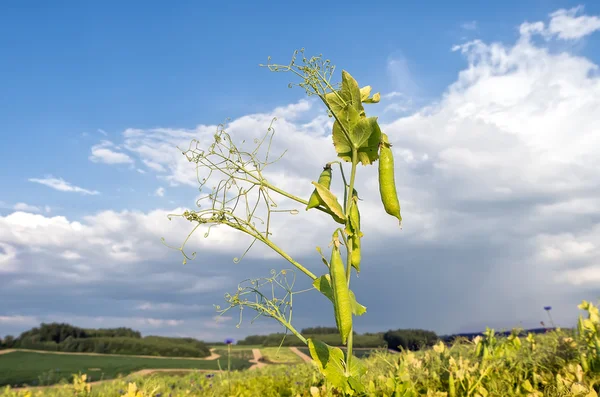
8,255
392,94
62,185
564,24
25,321
104,153
158,322
160,192
401,76
568,26
70,255
154,166
396,107
471,25
26,207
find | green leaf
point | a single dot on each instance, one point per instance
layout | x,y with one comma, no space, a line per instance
364,93
323,285
350,86
362,131
336,101
376,98
331,203
366,135
349,117
368,152
355,383
331,363
349,95
343,146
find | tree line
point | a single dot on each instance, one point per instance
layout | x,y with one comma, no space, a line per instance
67,338
400,339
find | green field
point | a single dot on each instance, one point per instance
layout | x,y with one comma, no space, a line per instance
280,355
541,365
19,368
241,354
236,347
360,353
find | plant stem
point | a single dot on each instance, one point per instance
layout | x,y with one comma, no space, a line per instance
292,197
229,357
229,365
289,258
293,330
348,204
347,210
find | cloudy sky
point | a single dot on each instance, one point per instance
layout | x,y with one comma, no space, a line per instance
494,113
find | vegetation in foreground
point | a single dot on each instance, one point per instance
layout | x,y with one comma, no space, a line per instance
556,364
34,369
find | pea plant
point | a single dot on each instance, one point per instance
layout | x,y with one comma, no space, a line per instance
357,140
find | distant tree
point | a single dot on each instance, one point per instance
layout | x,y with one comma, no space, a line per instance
253,340
411,339
8,342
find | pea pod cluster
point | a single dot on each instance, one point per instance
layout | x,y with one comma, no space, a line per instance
387,181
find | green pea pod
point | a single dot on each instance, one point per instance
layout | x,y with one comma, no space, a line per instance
355,233
324,180
355,214
342,304
355,256
387,182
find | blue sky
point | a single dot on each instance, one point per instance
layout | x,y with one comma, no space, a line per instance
486,135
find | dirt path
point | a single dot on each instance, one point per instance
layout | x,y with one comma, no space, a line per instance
257,356
213,355
303,356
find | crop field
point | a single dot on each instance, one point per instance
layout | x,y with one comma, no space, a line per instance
280,355
239,354
237,347
31,368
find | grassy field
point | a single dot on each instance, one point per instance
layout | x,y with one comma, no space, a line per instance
360,353
240,354
18,368
236,347
280,355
